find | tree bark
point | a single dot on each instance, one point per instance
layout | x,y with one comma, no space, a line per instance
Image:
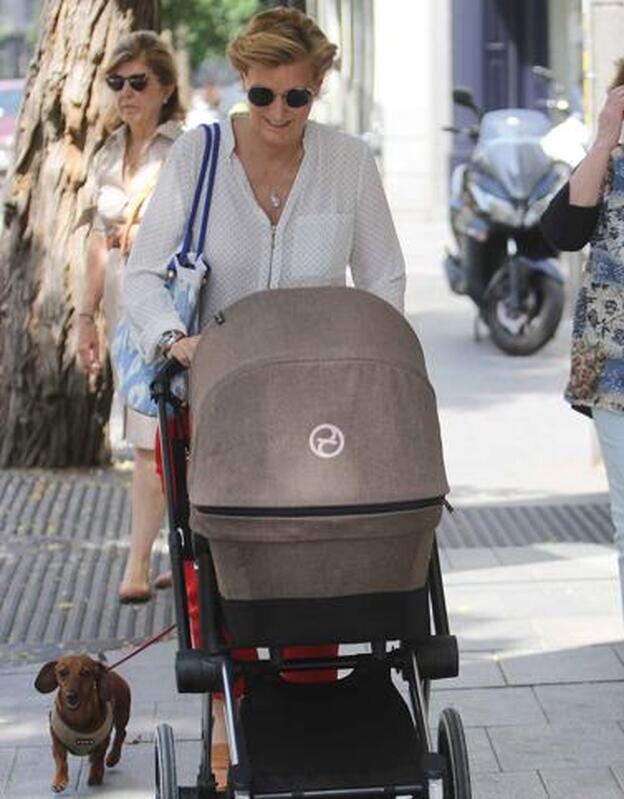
50,416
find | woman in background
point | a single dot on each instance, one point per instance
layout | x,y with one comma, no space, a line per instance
142,78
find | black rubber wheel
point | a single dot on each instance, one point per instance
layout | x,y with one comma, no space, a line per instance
165,763
536,323
452,747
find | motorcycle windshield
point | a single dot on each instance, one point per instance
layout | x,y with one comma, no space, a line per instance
510,149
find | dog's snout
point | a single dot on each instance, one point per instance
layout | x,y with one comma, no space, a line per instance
72,697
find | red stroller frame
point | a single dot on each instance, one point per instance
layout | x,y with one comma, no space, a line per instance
441,774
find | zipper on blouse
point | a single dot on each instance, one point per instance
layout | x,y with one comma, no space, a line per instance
329,510
273,229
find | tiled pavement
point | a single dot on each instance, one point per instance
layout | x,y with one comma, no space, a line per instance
541,690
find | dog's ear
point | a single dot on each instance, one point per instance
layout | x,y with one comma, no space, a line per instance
46,679
103,682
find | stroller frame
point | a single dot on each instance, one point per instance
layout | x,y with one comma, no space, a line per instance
445,770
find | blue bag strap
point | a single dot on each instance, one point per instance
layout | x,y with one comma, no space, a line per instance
211,180
210,148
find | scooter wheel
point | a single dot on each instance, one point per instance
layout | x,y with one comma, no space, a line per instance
536,322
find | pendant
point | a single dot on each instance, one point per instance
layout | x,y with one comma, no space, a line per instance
274,199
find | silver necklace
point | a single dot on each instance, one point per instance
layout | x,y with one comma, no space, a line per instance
274,199
275,196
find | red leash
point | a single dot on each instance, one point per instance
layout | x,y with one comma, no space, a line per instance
143,646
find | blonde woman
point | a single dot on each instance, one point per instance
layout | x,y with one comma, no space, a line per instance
141,77
295,203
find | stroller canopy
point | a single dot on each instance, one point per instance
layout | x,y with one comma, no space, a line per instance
308,398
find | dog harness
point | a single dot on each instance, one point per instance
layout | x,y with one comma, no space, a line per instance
81,743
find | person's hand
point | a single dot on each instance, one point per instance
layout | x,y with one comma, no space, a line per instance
610,119
113,237
183,350
89,346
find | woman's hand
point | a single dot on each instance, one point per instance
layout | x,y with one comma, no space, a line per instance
610,119
89,346
183,350
114,236
587,181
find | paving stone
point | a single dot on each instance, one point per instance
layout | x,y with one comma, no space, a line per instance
22,725
514,601
585,664
490,706
597,783
564,632
480,753
7,756
33,771
618,772
557,746
618,648
476,670
582,703
142,721
559,561
521,785
185,718
463,561
134,775
475,635
150,683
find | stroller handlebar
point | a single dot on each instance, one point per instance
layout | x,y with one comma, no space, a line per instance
161,383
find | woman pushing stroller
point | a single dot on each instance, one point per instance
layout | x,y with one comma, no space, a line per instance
295,202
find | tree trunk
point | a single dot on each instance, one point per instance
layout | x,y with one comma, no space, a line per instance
50,415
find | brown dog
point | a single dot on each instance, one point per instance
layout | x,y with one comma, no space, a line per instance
90,701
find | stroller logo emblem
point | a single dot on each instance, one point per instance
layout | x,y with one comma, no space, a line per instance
327,441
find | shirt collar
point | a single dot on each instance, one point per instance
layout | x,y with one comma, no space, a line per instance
170,130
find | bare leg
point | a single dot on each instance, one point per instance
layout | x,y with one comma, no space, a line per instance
220,755
147,514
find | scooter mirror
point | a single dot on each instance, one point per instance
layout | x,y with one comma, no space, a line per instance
464,97
543,72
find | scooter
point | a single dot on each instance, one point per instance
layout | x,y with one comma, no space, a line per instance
502,261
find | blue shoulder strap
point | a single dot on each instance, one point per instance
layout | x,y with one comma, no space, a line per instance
209,164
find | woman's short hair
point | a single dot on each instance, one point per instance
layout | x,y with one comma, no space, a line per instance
149,47
281,36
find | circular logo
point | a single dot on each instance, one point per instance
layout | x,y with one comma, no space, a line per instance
327,440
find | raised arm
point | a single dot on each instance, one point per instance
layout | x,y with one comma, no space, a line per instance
148,303
377,263
587,182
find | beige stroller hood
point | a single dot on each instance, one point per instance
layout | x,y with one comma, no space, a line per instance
312,397
313,421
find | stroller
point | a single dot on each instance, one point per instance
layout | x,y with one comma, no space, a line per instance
315,485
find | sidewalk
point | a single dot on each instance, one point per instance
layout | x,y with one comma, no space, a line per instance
530,582
541,689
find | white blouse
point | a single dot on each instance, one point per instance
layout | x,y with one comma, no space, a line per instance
336,215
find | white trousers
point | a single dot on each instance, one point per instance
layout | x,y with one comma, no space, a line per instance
610,429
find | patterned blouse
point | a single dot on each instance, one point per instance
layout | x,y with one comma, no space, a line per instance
597,363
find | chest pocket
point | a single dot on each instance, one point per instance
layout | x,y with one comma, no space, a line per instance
322,245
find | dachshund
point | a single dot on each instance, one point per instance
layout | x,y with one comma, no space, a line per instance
89,703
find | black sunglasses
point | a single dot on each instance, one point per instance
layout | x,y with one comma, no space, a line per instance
295,98
137,82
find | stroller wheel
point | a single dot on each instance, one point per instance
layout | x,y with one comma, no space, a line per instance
452,746
165,764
